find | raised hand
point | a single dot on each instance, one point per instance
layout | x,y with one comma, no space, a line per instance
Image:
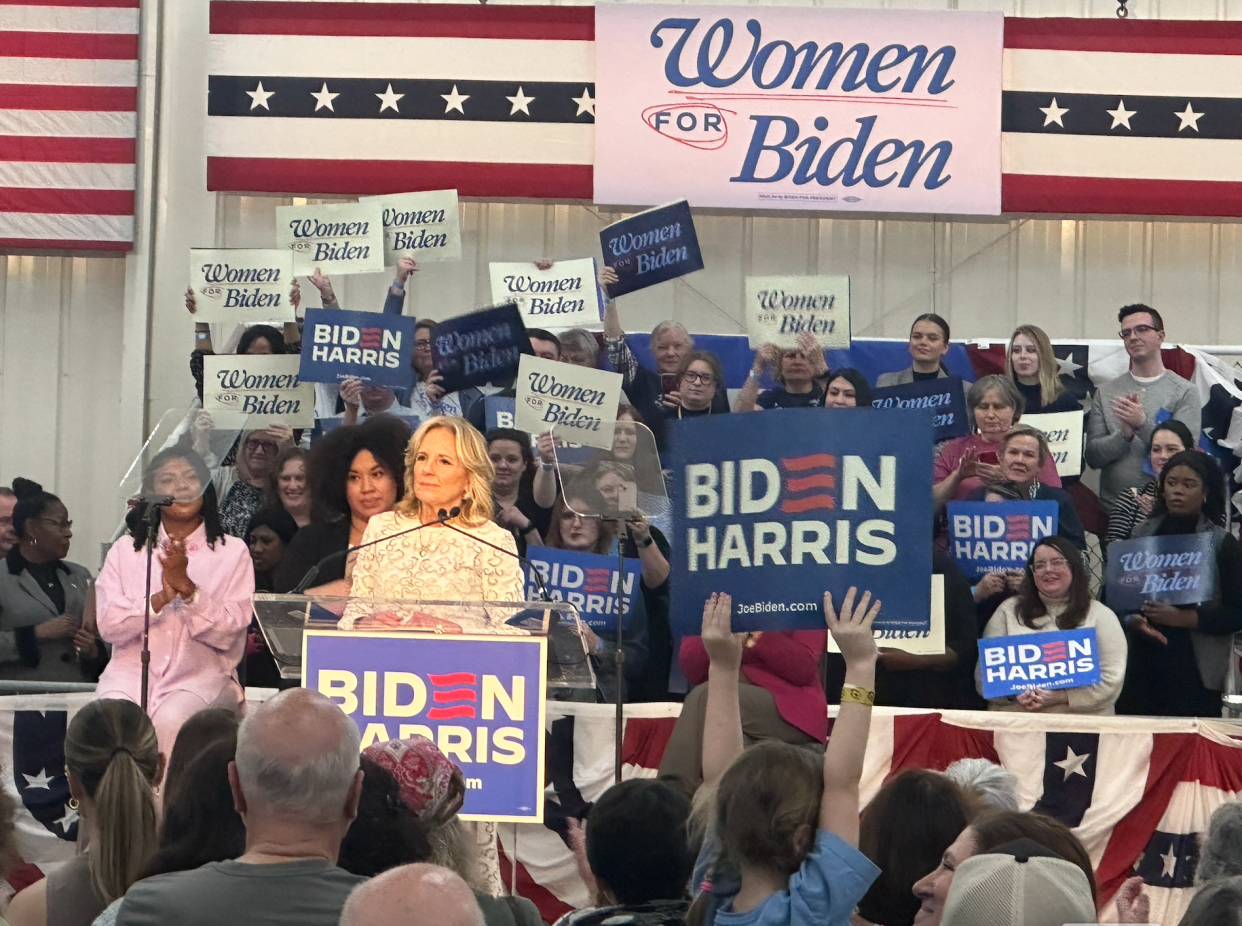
608,276
191,302
814,353
351,391
324,285
852,629
175,561
405,266
435,392
723,646
295,295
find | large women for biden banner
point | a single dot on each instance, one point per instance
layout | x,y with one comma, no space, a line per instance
798,108
779,507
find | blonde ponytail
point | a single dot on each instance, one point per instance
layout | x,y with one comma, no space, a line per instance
112,749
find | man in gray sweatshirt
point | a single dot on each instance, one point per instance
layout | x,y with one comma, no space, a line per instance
1123,412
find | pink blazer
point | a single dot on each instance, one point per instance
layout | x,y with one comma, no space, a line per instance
195,646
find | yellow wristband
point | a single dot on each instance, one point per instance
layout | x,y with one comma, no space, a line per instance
852,694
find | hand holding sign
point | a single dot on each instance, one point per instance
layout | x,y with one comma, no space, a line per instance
1039,698
1161,612
852,630
723,646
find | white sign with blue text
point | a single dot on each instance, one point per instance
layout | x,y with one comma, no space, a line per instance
770,107
256,390
242,284
424,226
580,403
335,238
1050,660
566,295
779,309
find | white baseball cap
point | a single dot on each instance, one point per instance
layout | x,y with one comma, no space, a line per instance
1018,884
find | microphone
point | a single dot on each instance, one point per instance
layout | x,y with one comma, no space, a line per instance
311,573
543,589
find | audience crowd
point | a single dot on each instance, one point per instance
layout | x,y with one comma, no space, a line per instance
276,817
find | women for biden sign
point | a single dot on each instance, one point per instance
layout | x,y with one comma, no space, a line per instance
776,509
798,108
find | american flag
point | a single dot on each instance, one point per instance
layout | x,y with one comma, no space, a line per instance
1099,115
1138,792
322,97
68,124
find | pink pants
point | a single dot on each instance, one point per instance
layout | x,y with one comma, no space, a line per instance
176,708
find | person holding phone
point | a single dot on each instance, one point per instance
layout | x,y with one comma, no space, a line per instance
652,392
963,466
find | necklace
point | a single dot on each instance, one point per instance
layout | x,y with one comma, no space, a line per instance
709,411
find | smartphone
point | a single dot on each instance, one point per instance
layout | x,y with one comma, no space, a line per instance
668,383
989,457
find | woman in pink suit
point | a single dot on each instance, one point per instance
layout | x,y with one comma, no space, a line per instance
201,585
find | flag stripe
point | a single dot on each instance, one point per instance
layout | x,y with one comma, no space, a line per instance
93,4
1214,159
68,150
306,176
77,18
1106,196
1188,37
79,99
65,175
71,71
8,245
90,45
520,143
391,58
53,124
430,20
1040,70
67,202
33,226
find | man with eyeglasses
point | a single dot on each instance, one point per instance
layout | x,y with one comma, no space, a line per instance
1125,411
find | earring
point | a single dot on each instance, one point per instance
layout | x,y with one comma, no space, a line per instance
155,789
73,803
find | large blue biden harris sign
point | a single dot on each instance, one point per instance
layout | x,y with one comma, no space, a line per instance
779,507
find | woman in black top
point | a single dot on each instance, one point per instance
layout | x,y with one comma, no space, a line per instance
1179,656
513,491
796,372
42,597
355,472
1036,373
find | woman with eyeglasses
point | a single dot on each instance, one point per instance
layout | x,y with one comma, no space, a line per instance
199,604
1056,595
428,398
43,597
257,454
1180,656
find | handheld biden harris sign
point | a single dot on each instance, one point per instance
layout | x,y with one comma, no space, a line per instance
1052,660
651,247
588,581
1179,569
998,536
336,238
479,698
798,108
242,284
373,346
480,347
565,295
777,509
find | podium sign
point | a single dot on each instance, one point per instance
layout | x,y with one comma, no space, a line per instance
480,699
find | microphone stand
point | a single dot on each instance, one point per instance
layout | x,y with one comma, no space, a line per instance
151,516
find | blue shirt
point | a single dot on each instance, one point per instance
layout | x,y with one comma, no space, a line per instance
823,892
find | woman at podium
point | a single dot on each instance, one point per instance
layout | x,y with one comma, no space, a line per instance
452,555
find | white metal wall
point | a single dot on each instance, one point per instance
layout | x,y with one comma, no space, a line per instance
78,353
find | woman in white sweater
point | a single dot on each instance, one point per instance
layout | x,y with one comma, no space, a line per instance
1055,596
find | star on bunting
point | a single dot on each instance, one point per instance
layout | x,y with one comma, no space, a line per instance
1121,115
1170,863
454,100
520,102
70,818
324,98
41,780
388,99
1054,113
1072,764
585,103
258,97
1066,366
1189,118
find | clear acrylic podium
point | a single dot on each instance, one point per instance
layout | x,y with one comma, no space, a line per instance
284,618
